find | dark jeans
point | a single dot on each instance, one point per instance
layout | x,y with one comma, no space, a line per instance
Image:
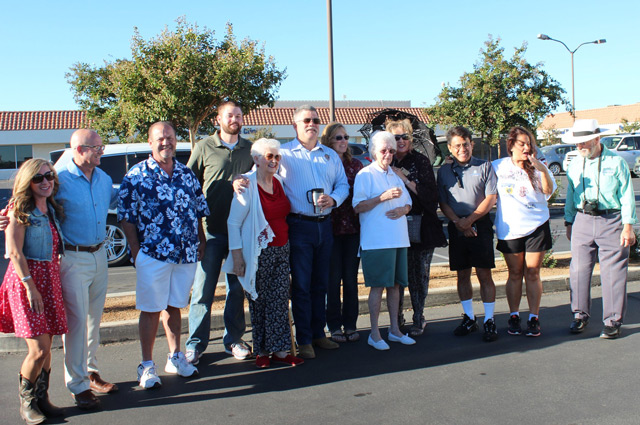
344,268
311,244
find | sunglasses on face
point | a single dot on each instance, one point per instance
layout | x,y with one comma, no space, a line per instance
99,148
269,156
388,151
38,178
401,136
340,138
308,120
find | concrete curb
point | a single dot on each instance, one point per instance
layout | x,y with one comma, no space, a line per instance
127,330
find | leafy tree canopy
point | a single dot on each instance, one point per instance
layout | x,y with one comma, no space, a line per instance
179,76
498,94
628,126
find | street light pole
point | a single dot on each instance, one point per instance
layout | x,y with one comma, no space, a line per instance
332,106
573,90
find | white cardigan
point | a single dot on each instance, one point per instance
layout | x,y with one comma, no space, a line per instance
248,229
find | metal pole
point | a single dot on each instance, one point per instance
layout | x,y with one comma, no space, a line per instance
573,90
332,106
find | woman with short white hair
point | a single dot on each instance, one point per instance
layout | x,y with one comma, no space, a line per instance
259,254
382,204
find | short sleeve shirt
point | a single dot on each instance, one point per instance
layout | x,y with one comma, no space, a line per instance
165,210
464,187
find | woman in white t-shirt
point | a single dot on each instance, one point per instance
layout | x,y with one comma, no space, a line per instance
381,201
522,223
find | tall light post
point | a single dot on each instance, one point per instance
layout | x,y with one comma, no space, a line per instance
573,90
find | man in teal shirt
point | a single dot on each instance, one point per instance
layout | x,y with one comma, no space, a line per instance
599,214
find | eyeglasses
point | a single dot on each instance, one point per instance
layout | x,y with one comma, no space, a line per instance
269,156
459,147
98,148
401,136
340,137
387,151
38,178
308,120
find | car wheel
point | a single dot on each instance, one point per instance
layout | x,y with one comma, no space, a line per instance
116,245
555,168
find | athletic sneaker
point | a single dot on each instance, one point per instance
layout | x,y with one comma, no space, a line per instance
533,327
148,377
178,365
466,327
514,325
193,356
490,331
240,350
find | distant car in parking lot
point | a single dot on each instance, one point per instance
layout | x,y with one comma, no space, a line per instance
627,145
555,154
360,151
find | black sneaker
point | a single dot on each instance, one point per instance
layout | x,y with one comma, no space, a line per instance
611,332
533,327
490,331
514,325
466,327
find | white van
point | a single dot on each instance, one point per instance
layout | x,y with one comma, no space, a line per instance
625,145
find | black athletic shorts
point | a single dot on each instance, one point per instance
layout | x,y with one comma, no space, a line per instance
538,241
465,252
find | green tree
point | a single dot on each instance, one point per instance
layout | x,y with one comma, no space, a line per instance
498,94
266,132
550,136
179,76
628,127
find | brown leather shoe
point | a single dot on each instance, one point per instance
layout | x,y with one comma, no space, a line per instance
86,400
100,386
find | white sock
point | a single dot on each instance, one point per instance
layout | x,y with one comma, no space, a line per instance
467,306
531,316
488,311
147,363
515,313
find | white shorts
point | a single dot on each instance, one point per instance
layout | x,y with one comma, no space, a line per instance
160,285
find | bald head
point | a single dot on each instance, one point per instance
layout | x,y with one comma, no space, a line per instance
82,136
87,149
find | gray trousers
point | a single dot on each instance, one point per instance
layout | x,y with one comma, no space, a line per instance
591,236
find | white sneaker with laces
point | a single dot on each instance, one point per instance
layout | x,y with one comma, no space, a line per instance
179,365
148,377
240,350
193,356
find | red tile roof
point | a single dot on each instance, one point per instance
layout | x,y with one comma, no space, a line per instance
63,120
608,115
41,120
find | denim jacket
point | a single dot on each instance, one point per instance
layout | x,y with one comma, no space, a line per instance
38,241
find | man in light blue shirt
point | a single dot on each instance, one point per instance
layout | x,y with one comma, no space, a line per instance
86,193
306,165
599,213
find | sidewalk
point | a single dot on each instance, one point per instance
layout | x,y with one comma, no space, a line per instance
126,330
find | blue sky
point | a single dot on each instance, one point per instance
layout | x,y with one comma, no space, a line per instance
382,49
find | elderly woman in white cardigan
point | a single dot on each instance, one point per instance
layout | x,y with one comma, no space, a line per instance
259,255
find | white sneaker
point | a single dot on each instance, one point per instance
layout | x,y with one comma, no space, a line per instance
179,365
193,356
148,377
240,350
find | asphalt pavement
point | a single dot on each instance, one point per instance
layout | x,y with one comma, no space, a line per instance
557,378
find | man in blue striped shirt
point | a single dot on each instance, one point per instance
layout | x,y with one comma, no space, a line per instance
306,165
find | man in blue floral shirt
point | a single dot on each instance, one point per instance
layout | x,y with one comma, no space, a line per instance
160,206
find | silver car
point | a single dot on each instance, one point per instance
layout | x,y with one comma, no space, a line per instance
554,155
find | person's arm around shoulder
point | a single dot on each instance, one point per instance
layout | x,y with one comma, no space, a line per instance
15,244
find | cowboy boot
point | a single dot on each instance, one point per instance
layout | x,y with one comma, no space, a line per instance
42,395
28,404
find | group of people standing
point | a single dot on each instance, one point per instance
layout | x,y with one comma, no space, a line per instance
292,222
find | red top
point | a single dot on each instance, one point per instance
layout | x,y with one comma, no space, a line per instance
276,207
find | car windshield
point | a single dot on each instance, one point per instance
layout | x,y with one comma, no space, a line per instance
610,142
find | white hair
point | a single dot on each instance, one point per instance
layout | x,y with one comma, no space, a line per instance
379,139
260,146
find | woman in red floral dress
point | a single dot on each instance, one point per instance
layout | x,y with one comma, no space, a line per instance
31,294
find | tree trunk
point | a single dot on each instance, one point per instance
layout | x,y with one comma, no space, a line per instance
192,136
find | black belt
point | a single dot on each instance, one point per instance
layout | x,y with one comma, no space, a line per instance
80,248
599,212
314,218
